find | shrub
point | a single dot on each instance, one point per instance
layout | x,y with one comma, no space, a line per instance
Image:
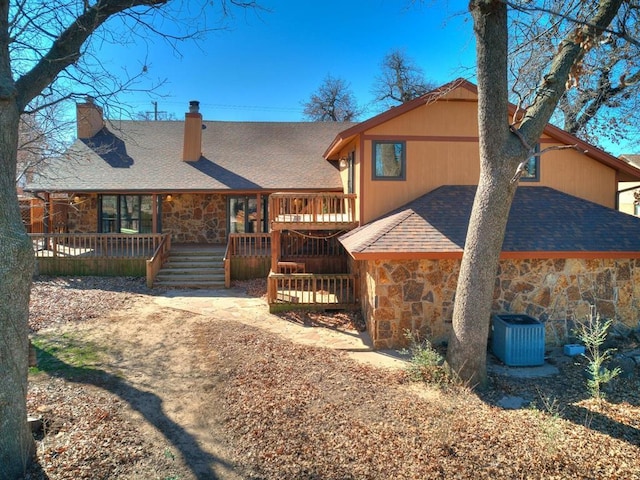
593,333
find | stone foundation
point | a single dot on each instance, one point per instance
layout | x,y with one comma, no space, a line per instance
418,295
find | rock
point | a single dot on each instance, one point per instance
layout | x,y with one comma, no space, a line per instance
626,365
509,402
620,330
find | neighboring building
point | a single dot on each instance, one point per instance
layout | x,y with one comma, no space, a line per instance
396,190
626,200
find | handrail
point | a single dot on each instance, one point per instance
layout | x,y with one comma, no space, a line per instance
226,261
245,245
95,245
328,290
159,257
312,207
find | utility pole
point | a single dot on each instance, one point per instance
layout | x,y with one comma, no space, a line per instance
155,112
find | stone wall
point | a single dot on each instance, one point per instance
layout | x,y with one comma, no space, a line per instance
195,218
189,218
418,294
82,216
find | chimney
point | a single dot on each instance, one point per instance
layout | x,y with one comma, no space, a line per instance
192,148
89,118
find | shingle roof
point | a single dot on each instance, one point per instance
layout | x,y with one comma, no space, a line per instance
541,220
144,156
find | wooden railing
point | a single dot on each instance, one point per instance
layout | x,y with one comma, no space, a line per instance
328,209
160,256
308,290
246,253
95,245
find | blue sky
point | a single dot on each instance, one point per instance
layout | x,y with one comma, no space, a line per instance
265,64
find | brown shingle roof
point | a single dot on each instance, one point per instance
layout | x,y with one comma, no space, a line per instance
247,156
542,220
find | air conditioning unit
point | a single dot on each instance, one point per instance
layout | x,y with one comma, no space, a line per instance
518,340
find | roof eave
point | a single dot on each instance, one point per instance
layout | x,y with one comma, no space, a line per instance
503,256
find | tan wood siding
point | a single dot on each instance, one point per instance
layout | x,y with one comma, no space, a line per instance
442,149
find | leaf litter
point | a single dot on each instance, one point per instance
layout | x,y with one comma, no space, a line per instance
291,411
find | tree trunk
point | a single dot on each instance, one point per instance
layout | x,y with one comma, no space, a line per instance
16,270
499,157
501,150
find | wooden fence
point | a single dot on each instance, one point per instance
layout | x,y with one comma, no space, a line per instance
311,291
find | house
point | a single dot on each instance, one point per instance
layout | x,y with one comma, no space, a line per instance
377,221
566,246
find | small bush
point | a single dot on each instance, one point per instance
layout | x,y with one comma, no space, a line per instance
425,364
593,333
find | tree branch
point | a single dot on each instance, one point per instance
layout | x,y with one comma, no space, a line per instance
66,49
571,51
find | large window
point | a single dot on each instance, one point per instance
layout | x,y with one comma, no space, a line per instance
125,214
532,172
243,214
389,160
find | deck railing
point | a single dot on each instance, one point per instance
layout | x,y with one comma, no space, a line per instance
95,245
247,256
321,209
308,290
160,256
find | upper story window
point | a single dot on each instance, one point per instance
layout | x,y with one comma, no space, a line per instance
389,160
532,173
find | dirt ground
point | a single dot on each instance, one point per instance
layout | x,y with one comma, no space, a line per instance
152,355
134,384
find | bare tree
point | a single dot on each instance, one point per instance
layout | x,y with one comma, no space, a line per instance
601,105
504,145
46,52
332,102
400,80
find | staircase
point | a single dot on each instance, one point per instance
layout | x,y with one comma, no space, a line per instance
193,266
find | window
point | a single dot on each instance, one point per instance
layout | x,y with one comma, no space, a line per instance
243,215
532,173
389,160
125,213
351,173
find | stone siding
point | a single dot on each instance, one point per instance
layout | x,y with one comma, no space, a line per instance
196,218
418,295
82,217
189,218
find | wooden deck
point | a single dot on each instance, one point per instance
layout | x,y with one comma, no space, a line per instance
312,211
311,291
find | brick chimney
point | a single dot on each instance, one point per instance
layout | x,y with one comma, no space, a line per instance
89,118
192,148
